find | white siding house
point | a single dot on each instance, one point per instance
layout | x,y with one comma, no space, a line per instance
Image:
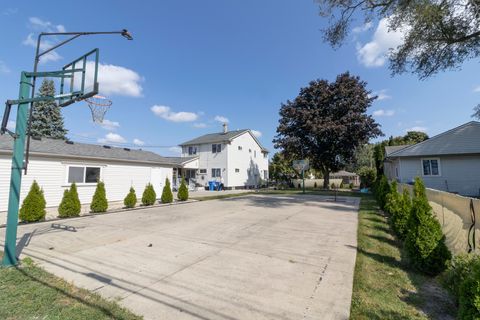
449,161
54,164
237,157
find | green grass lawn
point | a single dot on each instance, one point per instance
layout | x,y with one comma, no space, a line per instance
29,292
384,286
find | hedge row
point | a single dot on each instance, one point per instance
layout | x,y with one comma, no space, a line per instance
33,206
413,221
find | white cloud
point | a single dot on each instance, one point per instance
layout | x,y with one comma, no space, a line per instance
44,45
257,133
166,113
175,150
417,128
477,89
114,80
221,119
199,125
383,113
9,11
138,142
112,138
45,26
381,95
375,52
110,125
363,28
3,67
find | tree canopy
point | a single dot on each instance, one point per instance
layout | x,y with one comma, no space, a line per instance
438,35
47,119
327,122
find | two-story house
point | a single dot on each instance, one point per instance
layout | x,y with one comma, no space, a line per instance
235,157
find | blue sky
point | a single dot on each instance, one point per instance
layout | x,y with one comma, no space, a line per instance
194,63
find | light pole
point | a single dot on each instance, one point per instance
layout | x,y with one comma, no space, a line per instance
124,33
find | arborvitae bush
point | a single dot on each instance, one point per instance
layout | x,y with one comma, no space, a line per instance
469,298
99,200
402,216
425,242
149,196
381,189
341,185
182,191
315,185
299,186
332,185
350,186
392,199
33,206
131,199
70,205
167,195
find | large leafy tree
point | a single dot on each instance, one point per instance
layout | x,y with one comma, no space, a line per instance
280,168
327,122
438,34
47,119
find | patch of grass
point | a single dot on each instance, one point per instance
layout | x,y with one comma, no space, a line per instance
384,286
29,292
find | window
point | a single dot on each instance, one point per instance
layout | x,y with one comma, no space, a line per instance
240,148
192,150
216,173
83,174
216,148
431,167
237,170
203,171
265,155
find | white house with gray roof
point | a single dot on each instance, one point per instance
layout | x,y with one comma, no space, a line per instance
55,164
449,161
236,157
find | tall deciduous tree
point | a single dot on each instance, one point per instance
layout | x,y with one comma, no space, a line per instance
438,35
327,122
47,119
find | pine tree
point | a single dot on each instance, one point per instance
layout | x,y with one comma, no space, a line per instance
182,191
33,206
47,119
99,201
167,195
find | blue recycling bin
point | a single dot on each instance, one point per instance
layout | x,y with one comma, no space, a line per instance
211,185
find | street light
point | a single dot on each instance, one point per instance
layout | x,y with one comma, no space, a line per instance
124,33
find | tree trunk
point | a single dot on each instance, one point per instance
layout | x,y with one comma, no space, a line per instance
326,178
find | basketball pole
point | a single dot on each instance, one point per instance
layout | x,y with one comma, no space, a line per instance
10,255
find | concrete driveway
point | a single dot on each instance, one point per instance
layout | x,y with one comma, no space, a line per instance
252,257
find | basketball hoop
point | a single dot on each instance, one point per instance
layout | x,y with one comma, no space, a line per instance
98,105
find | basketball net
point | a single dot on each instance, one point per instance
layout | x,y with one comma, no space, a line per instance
98,105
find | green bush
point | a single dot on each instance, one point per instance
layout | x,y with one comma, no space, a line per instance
149,195
381,189
167,195
70,205
350,186
315,185
183,191
332,185
99,200
341,185
425,242
33,206
469,298
131,199
368,176
299,186
401,217
392,199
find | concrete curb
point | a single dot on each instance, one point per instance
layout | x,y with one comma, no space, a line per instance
159,205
